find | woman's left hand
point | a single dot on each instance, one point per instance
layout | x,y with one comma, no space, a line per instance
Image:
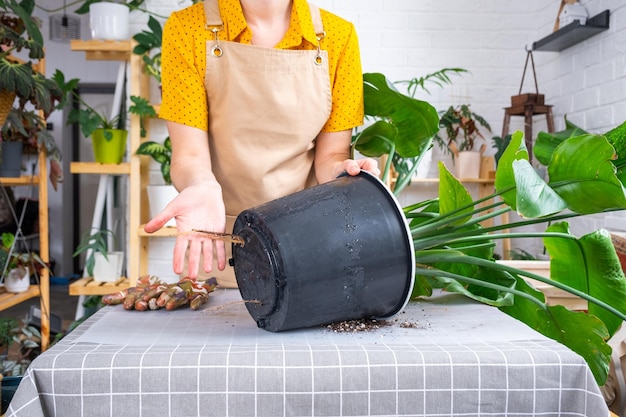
354,166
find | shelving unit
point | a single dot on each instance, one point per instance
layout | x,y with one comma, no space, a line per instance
8,300
573,33
135,168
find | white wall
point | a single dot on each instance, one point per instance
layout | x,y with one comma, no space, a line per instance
408,38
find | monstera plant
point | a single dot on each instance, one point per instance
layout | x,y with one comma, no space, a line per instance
455,253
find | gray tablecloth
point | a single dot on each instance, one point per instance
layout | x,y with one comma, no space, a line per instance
446,356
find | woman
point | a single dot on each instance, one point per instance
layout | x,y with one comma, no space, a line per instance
260,98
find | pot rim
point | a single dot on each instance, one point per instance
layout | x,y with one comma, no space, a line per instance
407,236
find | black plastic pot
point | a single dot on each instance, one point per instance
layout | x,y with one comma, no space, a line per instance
9,386
334,252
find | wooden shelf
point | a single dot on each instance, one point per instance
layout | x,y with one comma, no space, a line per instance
16,181
573,33
8,300
87,286
97,168
100,50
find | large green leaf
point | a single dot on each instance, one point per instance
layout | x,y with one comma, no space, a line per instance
590,265
582,173
453,196
377,139
505,176
534,197
547,142
17,77
417,121
584,333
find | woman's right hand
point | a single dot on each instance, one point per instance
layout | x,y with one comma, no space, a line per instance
200,207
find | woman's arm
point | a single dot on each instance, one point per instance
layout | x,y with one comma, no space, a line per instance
332,157
199,204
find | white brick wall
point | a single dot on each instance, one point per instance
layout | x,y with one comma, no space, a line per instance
408,38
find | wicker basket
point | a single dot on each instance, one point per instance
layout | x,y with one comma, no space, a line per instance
6,104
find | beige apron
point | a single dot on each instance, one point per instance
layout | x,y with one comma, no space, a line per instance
266,108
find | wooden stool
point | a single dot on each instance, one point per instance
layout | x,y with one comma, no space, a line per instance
527,110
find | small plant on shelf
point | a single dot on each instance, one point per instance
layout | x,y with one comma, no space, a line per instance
94,241
24,91
462,129
161,153
149,47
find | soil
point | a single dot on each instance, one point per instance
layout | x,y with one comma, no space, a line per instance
368,325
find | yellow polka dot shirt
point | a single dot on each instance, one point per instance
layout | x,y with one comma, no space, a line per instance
184,61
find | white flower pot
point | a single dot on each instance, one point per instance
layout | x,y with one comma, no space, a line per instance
17,280
159,196
108,269
109,21
467,164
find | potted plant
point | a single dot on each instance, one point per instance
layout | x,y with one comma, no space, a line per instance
159,195
101,262
109,20
455,253
108,134
462,132
27,97
17,266
22,344
149,48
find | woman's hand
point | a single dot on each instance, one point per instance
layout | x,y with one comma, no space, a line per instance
332,157
196,207
354,166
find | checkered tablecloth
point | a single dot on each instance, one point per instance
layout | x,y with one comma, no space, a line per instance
446,356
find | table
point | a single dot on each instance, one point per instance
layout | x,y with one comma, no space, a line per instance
444,356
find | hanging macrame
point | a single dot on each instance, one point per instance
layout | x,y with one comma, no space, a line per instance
528,98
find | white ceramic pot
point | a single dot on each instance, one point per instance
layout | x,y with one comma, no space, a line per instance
159,196
467,164
17,280
109,21
108,269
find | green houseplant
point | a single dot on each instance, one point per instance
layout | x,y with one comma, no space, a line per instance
149,47
101,261
455,253
17,266
462,134
108,134
160,153
159,195
24,91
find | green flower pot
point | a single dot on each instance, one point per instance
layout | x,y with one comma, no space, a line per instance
109,150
